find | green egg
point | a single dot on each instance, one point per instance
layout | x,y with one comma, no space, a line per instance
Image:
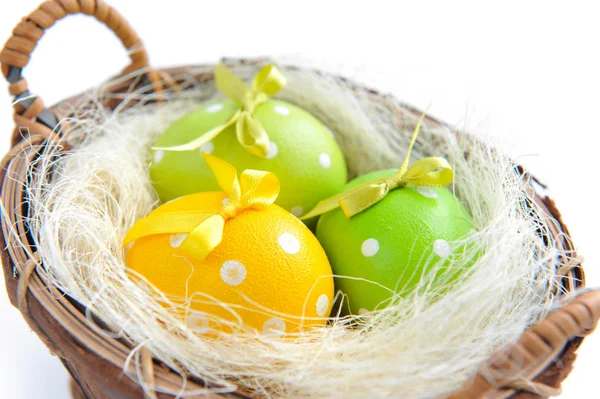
302,153
389,243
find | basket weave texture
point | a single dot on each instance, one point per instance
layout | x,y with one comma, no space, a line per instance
533,367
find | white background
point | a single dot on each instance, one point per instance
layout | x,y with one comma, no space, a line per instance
525,73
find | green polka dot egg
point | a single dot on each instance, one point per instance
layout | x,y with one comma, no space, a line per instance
389,243
388,228
290,142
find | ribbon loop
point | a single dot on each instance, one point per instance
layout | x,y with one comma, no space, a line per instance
232,86
249,131
429,172
269,80
260,188
254,190
434,172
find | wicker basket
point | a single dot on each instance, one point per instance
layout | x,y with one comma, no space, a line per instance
531,368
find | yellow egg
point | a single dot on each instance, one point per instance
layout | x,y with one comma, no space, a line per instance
268,274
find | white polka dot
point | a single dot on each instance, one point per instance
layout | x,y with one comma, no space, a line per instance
158,156
297,211
428,192
225,201
369,247
274,326
207,147
177,239
272,153
233,272
211,109
324,160
198,323
289,243
441,248
322,305
363,311
280,109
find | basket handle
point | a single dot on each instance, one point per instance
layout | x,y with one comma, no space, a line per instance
29,110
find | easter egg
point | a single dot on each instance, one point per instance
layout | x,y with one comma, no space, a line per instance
386,248
302,153
269,274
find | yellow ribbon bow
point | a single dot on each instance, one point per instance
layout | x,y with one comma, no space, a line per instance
255,189
250,132
433,172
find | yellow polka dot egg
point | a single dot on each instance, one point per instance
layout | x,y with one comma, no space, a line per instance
239,261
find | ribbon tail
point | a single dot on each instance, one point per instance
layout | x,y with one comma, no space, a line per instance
433,172
413,139
352,201
323,207
165,223
327,205
204,238
252,135
203,139
364,197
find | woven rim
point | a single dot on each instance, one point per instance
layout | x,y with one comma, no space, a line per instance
533,367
